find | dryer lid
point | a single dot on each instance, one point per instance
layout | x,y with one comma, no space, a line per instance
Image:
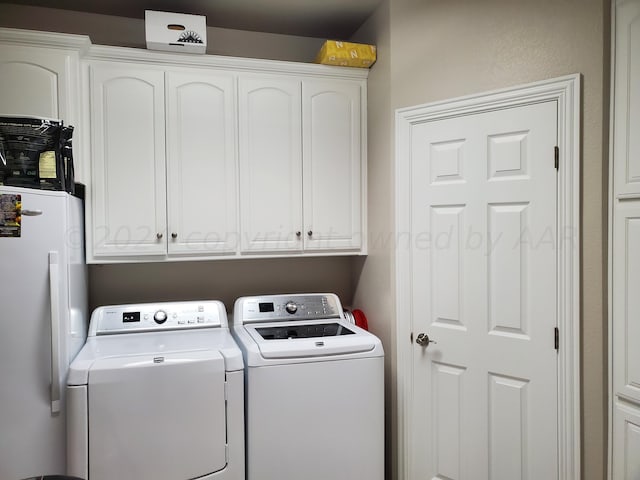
159,416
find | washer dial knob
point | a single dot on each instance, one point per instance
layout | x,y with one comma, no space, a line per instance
291,307
160,317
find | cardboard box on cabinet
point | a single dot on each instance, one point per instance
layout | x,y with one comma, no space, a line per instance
175,32
347,54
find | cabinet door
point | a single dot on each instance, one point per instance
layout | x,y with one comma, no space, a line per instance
37,82
128,160
626,301
332,164
626,440
626,140
201,163
270,164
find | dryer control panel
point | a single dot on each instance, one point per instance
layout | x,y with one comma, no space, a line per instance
115,319
273,308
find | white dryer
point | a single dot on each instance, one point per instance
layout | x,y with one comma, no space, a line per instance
157,393
314,390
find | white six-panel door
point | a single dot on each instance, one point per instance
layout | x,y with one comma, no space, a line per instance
483,247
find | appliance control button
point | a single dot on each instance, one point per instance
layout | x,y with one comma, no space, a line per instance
200,308
291,307
192,320
160,317
180,322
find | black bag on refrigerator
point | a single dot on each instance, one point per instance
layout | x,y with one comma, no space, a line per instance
36,153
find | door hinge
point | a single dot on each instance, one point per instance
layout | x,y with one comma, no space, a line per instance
556,338
556,152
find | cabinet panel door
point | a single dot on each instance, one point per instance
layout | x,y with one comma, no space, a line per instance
626,440
128,160
332,164
270,164
626,301
627,99
34,82
201,163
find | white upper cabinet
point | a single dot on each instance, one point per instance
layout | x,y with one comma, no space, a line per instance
206,157
301,164
332,164
200,156
270,164
164,183
40,77
201,163
128,214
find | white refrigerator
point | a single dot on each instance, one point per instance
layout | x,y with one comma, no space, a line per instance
43,323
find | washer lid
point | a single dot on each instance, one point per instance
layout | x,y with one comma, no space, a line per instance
312,339
157,416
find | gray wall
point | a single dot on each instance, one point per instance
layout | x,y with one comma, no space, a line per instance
440,49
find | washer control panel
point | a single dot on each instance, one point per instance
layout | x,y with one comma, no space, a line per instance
294,307
116,319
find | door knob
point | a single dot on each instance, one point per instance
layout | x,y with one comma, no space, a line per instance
423,340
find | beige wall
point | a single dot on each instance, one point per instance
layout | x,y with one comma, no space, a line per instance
373,276
129,32
441,49
224,280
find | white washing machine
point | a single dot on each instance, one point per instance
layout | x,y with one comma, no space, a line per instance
157,393
314,390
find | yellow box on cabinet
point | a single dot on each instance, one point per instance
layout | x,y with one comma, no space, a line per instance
346,54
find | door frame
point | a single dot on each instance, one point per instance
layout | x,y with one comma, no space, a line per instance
566,92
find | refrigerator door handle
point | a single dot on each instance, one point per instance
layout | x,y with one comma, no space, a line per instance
30,213
54,295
